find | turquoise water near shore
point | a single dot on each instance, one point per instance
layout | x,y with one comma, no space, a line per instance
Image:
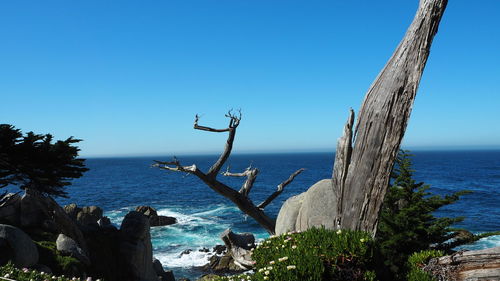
118,185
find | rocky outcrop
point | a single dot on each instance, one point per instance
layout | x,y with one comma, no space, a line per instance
467,266
89,215
72,210
316,208
40,212
136,248
154,218
69,247
14,242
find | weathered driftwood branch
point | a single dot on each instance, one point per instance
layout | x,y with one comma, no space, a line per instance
361,176
240,198
468,265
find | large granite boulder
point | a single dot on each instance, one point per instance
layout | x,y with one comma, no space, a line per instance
154,218
136,248
467,266
14,242
318,208
287,216
314,208
69,247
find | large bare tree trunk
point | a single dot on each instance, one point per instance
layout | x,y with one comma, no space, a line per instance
362,173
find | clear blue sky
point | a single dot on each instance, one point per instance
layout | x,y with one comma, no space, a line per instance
129,76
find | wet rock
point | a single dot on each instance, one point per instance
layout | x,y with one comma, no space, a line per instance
160,272
154,218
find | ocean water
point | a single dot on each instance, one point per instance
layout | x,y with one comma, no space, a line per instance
118,185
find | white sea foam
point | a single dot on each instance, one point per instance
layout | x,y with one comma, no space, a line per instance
195,258
487,242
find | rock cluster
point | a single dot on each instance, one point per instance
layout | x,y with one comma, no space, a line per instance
154,218
82,233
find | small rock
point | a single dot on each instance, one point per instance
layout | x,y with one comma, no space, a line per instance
185,252
104,222
204,250
219,249
69,247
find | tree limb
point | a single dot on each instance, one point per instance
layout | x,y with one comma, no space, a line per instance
239,198
234,121
280,189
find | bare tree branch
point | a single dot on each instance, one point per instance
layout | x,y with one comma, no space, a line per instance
239,198
233,124
280,189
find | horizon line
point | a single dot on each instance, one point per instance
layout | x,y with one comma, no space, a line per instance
290,151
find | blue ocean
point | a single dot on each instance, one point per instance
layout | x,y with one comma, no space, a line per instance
118,185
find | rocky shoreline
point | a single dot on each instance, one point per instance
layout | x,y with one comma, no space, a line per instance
101,249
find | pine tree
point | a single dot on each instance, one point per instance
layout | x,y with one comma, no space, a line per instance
407,222
36,162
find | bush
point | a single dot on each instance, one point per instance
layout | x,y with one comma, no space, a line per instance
417,260
315,255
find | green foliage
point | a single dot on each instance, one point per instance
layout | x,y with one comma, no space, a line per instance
25,274
61,265
316,254
407,223
417,260
34,161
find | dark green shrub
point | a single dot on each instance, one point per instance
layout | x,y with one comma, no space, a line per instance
417,260
60,265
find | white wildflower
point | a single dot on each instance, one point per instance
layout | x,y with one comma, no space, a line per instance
290,267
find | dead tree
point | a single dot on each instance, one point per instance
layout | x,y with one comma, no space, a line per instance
240,198
365,157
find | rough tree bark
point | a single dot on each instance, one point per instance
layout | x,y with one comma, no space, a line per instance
361,173
240,198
